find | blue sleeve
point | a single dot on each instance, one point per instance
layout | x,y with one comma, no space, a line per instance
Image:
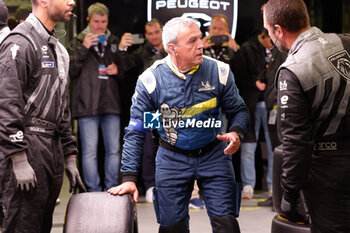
134,133
233,104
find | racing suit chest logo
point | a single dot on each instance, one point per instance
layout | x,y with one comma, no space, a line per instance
206,86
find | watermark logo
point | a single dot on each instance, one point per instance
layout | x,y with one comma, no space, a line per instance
172,119
151,120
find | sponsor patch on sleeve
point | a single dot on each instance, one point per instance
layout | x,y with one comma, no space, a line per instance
136,125
341,63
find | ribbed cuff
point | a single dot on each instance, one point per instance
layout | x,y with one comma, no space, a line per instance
239,132
130,176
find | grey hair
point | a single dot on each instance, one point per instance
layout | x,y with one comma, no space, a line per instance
171,30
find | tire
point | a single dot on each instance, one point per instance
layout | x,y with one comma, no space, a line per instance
282,226
100,212
276,184
276,179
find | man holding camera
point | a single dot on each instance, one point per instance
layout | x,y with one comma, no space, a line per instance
219,44
97,61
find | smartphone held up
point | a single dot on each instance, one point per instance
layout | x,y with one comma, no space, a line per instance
218,39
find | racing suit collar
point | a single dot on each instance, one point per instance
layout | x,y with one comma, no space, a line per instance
43,32
303,37
176,70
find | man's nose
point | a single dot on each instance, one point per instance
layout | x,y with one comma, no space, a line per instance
71,2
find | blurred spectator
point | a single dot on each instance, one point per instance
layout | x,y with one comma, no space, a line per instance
22,13
250,66
11,22
144,57
97,62
277,58
4,29
222,51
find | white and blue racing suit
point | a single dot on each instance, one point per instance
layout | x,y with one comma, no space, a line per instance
189,108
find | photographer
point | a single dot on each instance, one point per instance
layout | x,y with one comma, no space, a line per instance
224,47
97,61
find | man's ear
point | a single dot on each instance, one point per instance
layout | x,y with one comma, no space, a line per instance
87,19
43,3
279,29
172,49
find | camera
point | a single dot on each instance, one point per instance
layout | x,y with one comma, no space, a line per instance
218,39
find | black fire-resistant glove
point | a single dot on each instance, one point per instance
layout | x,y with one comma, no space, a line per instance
24,173
73,174
289,208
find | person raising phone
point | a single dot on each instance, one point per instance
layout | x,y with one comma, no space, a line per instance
97,61
219,44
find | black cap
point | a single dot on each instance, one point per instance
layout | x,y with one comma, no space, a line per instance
3,14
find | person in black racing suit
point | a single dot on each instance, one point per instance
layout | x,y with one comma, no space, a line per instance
313,113
36,139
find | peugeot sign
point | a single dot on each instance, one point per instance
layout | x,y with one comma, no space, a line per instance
201,10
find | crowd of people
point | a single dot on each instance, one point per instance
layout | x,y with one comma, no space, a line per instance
287,85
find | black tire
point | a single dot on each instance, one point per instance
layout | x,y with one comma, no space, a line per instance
276,184
282,226
100,212
276,179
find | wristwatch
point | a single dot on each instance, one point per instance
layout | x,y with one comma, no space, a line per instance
238,131
240,135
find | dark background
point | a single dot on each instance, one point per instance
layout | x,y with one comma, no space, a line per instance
131,15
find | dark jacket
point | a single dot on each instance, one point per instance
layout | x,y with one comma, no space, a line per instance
249,66
221,53
144,56
314,111
92,95
140,59
34,89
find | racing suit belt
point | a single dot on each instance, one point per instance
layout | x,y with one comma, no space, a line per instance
41,127
191,153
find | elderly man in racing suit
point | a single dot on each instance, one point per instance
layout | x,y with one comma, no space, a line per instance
35,133
182,96
314,116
